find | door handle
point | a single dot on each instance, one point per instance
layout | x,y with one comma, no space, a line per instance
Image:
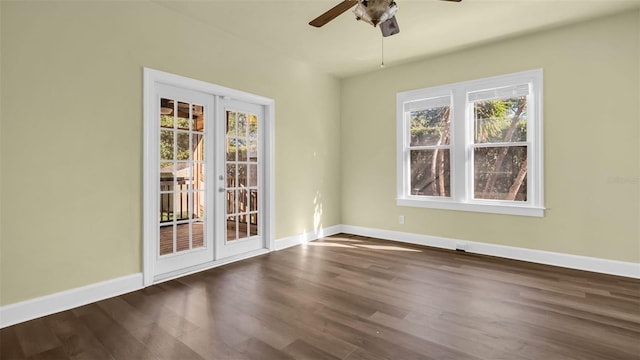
221,189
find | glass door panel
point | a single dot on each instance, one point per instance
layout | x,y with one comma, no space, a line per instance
182,203
243,182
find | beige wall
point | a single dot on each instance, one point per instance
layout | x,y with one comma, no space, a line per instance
71,137
71,134
591,141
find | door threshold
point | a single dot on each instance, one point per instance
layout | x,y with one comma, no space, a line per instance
206,266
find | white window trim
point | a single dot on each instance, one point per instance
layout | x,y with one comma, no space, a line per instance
461,167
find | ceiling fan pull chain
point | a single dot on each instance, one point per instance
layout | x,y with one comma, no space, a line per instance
382,62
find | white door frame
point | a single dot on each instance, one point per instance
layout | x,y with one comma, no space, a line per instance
152,77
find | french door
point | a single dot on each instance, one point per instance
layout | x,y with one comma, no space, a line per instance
185,120
205,179
240,227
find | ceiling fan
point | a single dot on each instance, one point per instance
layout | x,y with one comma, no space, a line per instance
374,12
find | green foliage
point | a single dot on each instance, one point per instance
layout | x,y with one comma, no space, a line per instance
496,168
167,139
429,126
493,119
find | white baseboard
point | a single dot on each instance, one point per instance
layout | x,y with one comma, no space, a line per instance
605,266
306,237
69,299
65,300
50,304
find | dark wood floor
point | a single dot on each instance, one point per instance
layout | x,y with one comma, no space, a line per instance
349,297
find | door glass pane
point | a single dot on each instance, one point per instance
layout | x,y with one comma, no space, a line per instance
166,239
198,118
253,200
253,175
242,149
183,148
242,174
198,234
242,124
198,205
253,228
182,236
183,119
231,175
166,113
166,145
231,228
182,191
253,138
197,144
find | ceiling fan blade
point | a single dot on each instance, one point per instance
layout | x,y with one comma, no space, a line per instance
333,13
389,27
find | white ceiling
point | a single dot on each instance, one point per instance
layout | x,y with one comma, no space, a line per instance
345,47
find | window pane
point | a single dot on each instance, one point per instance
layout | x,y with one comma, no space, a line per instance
500,120
500,173
430,126
430,172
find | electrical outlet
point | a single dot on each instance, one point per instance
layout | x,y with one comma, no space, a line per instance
401,219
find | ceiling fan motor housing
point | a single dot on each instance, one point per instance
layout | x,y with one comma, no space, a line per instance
375,11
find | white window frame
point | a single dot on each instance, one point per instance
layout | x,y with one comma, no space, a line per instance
461,169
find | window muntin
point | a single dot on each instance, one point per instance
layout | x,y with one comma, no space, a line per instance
487,149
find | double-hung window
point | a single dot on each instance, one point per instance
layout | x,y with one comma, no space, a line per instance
473,146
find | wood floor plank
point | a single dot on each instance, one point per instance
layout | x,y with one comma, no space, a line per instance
352,298
35,337
9,344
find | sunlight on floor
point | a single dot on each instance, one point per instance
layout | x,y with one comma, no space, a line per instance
328,242
385,247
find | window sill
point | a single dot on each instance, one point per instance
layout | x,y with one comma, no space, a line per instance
505,209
